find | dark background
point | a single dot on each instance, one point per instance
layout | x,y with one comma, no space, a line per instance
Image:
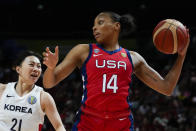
66,19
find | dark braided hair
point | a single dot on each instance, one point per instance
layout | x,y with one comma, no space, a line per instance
126,21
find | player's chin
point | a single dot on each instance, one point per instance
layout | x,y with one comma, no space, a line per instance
99,40
34,80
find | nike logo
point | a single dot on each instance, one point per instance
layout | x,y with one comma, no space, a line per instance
97,55
122,119
9,96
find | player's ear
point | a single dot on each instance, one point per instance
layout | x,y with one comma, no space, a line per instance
117,26
18,69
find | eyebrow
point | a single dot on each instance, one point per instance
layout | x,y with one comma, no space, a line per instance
35,62
101,17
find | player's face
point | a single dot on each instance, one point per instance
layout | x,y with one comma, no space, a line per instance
30,70
104,28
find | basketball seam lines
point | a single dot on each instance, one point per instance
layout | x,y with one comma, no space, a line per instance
164,26
174,33
173,27
164,37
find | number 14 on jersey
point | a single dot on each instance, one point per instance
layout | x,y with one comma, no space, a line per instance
109,85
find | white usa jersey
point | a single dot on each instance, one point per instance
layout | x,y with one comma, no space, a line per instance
21,113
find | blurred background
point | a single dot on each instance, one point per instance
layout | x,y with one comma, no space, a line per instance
36,24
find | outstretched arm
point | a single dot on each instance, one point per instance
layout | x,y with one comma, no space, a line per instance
54,74
49,107
153,79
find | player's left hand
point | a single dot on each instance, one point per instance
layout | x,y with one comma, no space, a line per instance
51,59
184,50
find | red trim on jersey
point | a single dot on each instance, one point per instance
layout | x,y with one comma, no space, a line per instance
40,127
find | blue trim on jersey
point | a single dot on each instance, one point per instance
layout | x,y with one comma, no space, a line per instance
78,116
84,74
130,85
129,103
130,107
132,122
89,56
129,56
128,97
109,52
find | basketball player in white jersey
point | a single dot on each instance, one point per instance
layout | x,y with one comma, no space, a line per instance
23,104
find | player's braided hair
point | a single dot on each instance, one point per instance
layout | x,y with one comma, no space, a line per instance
126,21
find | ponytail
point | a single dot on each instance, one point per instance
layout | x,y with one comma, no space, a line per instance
126,21
127,24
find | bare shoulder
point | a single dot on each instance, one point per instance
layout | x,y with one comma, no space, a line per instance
45,98
2,87
78,50
82,47
136,58
134,54
44,95
82,53
76,56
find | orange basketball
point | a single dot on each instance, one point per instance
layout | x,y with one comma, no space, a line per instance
170,36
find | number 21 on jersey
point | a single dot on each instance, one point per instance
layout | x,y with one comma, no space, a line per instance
16,123
109,85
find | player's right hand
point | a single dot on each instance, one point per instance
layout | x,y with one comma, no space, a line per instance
51,59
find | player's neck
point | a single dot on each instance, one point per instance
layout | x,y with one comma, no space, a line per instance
111,47
23,88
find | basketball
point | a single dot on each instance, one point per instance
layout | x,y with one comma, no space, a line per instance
170,36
